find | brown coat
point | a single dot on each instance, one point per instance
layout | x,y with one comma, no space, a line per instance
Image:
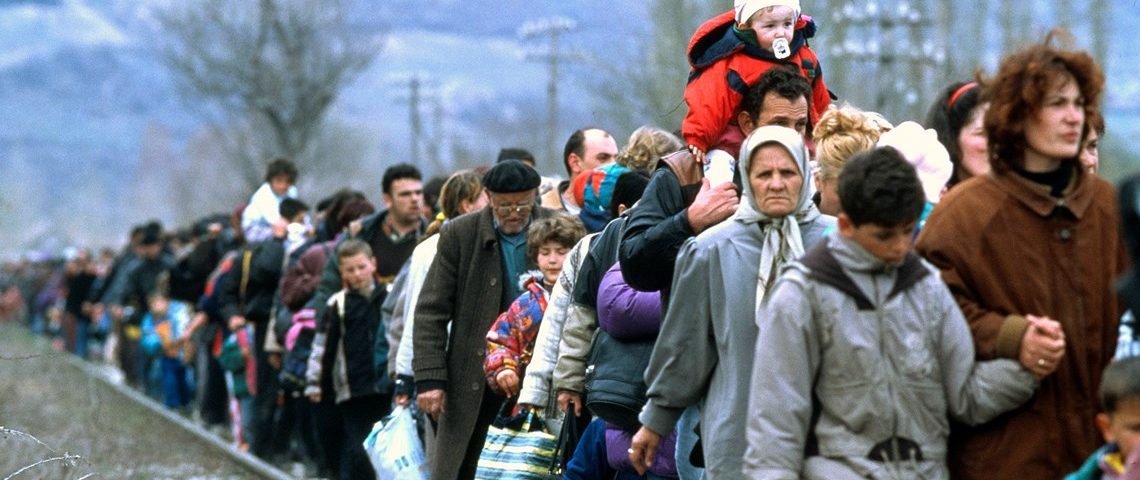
464,283
1007,249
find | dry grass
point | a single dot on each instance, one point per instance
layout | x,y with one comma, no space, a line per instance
58,423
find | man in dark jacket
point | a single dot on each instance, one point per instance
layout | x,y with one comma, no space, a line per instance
128,293
392,233
472,279
246,296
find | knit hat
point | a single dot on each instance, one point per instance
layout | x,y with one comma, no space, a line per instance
745,9
511,176
922,149
594,190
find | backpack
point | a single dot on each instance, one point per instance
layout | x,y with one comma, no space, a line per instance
296,361
615,378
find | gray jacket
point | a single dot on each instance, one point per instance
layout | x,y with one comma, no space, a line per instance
887,355
704,352
536,388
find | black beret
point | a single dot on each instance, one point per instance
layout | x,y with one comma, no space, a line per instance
510,176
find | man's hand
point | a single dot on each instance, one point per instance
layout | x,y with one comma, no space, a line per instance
508,382
236,322
432,402
1042,346
403,399
712,205
567,399
642,449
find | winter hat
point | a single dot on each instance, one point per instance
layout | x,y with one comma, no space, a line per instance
922,149
745,9
511,176
594,191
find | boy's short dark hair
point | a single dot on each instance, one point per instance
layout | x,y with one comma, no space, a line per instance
399,171
281,166
291,207
352,247
1120,382
880,187
564,229
628,190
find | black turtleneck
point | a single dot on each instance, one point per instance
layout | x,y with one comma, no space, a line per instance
1056,180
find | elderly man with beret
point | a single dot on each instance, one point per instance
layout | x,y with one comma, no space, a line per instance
473,278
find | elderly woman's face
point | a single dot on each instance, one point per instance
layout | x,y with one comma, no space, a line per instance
775,179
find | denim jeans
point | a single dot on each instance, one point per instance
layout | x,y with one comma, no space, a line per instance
686,439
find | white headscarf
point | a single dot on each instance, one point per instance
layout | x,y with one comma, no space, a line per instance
782,241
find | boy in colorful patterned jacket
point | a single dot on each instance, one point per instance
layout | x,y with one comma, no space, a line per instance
728,53
511,338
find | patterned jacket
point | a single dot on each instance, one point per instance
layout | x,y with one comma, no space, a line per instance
510,341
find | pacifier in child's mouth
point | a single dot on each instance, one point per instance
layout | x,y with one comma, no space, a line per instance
781,49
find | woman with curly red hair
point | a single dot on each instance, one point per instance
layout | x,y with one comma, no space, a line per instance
1031,253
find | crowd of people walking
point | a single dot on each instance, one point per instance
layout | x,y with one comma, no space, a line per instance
784,288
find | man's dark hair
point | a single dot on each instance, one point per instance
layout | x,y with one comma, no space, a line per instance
784,81
400,171
576,144
432,191
1120,382
511,153
290,207
281,166
628,190
879,187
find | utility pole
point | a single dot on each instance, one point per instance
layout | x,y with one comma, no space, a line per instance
890,42
553,28
416,89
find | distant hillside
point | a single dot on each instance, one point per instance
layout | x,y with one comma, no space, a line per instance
81,87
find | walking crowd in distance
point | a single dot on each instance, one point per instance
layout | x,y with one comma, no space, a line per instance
783,286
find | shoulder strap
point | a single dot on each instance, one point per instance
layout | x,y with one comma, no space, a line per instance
246,258
689,173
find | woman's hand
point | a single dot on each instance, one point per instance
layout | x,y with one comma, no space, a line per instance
567,399
642,449
1042,346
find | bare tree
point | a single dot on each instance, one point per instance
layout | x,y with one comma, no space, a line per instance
264,73
649,87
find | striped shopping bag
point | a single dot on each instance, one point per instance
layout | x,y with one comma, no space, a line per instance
517,447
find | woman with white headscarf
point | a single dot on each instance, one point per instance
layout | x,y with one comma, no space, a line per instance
704,352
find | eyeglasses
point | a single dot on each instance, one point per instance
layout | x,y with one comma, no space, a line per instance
507,210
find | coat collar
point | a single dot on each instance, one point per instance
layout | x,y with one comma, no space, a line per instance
1076,198
487,235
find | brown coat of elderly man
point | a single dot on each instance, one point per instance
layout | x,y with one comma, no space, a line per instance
468,285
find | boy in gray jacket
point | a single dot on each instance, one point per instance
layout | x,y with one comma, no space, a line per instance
862,347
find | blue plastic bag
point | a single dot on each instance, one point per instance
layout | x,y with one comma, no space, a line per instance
394,447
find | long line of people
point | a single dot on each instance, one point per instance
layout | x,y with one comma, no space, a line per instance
784,289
